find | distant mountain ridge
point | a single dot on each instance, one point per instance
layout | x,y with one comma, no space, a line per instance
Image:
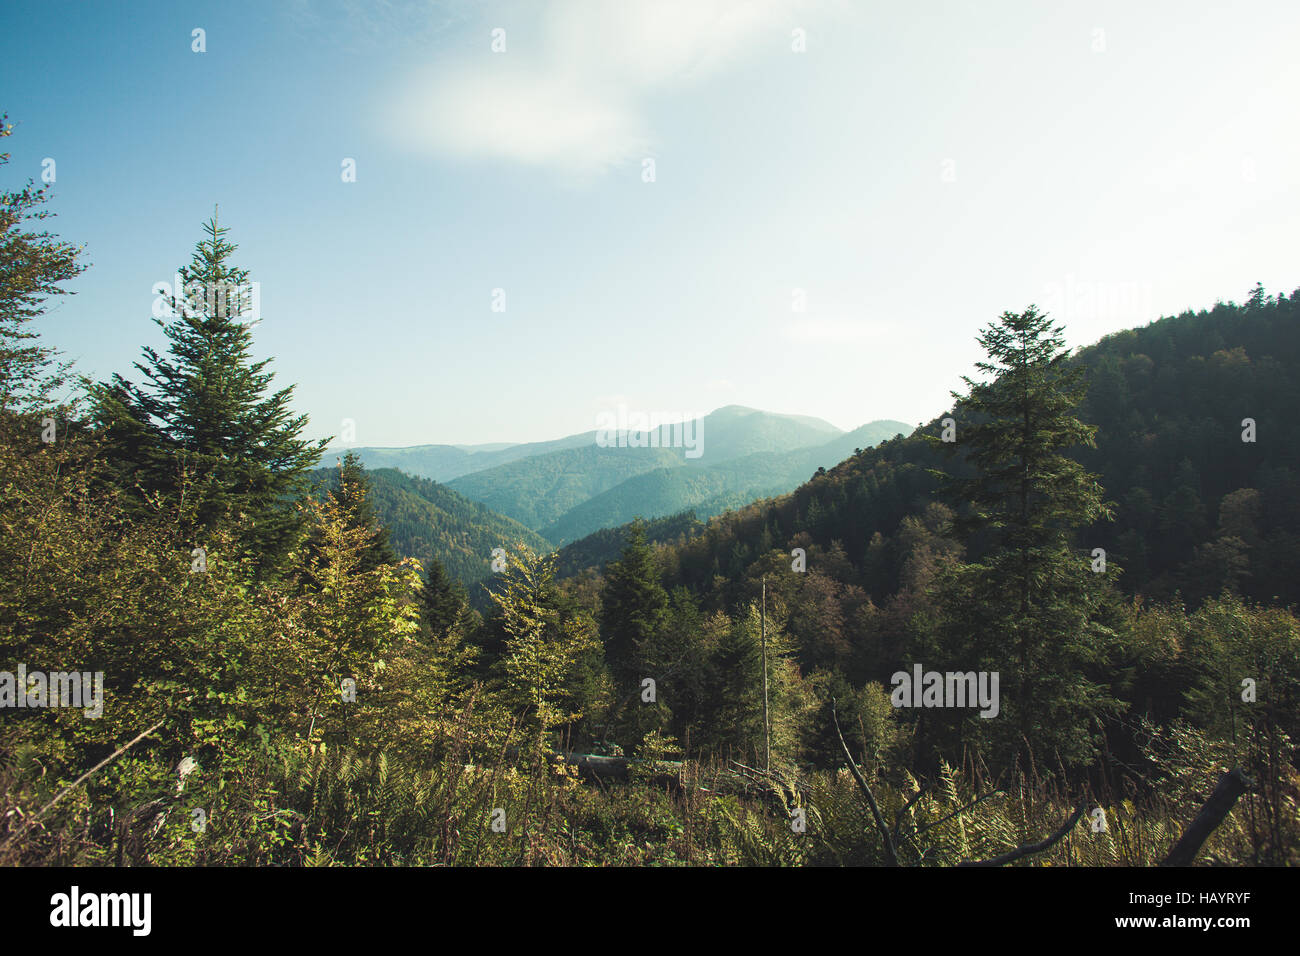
546,494
540,490
713,489
443,463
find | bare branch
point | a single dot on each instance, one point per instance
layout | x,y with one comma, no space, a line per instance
1030,848
890,854
76,783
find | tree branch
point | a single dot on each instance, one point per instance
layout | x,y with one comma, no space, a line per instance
76,783
890,854
1030,848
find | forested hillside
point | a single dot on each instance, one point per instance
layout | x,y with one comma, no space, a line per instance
1197,507
1117,568
541,490
426,520
599,548
713,488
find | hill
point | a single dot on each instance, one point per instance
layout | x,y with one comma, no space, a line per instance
445,462
1197,509
712,489
540,489
426,519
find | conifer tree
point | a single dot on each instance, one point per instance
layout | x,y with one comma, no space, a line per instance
735,720
1031,608
33,266
443,604
351,615
205,427
351,492
544,645
633,605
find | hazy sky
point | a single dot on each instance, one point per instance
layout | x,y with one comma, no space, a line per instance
916,170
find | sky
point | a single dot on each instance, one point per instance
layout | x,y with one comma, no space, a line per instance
562,208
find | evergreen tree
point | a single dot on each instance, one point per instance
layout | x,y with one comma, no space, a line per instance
736,696
33,266
351,615
444,603
1032,607
205,428
633,605
544,644
351,493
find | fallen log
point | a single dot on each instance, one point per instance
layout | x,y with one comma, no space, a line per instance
1230,786
594,765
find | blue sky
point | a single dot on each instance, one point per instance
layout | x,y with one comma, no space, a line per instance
907,177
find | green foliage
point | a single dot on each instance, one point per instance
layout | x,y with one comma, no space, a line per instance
204,429
347,709
543,643
633,605
427,520
34,265
350,491
443,605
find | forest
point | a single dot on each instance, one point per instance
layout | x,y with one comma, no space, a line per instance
1109,538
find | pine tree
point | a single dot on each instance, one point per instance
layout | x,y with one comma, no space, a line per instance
33,266
633,605
204,428
443,605
1031,608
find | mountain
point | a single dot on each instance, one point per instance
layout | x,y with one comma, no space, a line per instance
426,519
538,490
712,489
445,462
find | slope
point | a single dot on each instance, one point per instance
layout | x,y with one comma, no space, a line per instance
426,519
538,490
1197,507
710,490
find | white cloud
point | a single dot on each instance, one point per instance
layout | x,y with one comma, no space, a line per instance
571,90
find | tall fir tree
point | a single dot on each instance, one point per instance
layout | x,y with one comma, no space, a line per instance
633,605
205,428
444,603
1031,608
